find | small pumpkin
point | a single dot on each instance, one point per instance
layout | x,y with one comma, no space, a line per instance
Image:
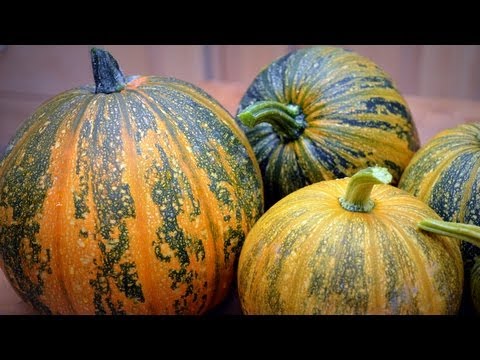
132,196
445,174
323,113
346,246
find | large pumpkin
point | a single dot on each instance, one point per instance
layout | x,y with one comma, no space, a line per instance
445,173
341,247
131,196
323,113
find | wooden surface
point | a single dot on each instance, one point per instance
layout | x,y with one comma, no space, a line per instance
430,114
31,74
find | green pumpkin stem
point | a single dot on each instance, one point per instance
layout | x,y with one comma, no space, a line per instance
106,72
288,121
359,188
465,232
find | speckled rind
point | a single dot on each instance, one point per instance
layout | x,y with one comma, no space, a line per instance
355,117
134,202
307,255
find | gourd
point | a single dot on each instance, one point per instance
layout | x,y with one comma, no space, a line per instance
323,113
445,174
132,196
349,246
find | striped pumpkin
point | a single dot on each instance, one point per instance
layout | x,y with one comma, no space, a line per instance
133,196
445,173
324,113
341,247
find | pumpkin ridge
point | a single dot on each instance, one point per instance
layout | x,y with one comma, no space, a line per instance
212,189
416,257
174,141
467,194
274,295
114,205
206,101
70,157
449,247
143,229
20,237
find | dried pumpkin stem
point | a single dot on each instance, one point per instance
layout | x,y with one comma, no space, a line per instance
287,121
359,188
466,232
106,72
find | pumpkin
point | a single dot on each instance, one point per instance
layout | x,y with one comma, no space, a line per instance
346,246
323,113
132,196
445,174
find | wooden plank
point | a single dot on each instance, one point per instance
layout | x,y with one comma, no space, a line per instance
133,59
244,62
399,61
450,71
44,69
185,62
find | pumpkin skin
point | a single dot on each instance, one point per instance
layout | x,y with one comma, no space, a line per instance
351,113
131,202
308,255
445,174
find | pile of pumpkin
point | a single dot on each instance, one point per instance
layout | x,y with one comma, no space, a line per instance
143,195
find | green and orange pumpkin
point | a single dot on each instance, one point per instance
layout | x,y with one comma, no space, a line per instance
445,174
349,246
323,113
132,196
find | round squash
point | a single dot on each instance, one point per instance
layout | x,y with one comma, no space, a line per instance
132,196
445,174
324,113
341,247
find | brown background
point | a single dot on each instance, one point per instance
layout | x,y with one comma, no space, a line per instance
31,74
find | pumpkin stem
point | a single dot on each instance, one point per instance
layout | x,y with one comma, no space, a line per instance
359,188
288,121
466,232
106,72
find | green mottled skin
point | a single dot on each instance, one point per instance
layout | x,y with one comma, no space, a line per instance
101,128
355,118
445,173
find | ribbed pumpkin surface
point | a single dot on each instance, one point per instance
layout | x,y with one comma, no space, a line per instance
308,255
445,174
355,118
136,201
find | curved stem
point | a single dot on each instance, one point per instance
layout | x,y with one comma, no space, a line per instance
288,121
106,72
465,232
359,188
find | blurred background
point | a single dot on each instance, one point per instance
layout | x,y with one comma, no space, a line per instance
30,74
